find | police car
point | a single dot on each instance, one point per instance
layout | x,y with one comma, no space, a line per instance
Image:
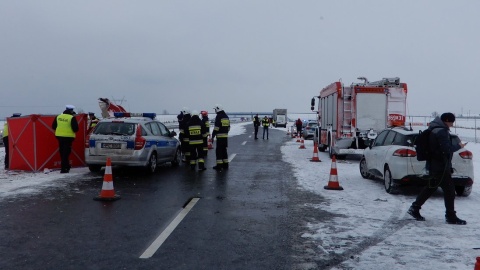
129,139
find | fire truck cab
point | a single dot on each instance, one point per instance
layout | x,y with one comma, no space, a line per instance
349,117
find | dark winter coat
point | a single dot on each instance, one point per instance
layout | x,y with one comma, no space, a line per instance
442,149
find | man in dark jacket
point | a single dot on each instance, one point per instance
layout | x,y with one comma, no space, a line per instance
440,169
195,130
65,126
256,125
299,124
5,141
182,126
205,132
221,129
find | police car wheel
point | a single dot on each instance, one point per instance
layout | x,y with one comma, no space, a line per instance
152,163
94,168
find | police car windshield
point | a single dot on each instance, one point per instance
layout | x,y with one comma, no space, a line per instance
112,128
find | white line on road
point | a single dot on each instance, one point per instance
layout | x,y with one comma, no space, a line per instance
230,158
245,142
164,235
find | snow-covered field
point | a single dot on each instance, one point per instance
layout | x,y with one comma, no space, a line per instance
371,227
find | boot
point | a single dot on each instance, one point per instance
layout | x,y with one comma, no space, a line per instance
225,165
218,167
414,211
451,218
192,167
201,166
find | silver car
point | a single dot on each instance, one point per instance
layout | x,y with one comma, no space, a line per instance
131,141
392,157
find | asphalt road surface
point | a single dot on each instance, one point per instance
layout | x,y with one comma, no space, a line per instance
250,216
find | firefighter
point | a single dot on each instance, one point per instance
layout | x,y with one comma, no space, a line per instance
65,126
206,132
220,130
195,132
5,141
184,145
266,125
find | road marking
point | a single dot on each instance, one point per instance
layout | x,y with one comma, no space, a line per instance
164,235
245,142
230,158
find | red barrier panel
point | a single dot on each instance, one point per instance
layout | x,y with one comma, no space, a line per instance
33,146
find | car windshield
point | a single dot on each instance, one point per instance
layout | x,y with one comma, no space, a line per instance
115,128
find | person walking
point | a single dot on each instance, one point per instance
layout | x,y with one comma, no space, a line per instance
256,124
195,130
220,130
298,124
206,132
65,126
440,169
266,125
5,141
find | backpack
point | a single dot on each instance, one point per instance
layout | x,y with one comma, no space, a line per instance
422,145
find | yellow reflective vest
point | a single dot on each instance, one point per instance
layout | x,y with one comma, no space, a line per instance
5,129
64,126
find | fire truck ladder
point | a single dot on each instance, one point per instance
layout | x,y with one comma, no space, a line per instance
347,111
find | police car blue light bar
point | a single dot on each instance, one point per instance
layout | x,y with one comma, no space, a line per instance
122,114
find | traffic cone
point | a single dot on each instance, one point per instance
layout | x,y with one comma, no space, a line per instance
210,145
333,180
298,137
302,145
315,153
107,193
477,264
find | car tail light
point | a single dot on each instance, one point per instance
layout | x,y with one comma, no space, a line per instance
405,153
466,155
139,140
87,141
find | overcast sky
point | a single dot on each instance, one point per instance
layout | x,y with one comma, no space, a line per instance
247,55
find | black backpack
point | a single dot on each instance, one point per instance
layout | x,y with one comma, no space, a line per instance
421,145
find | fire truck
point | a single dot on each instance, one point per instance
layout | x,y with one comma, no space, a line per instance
349,117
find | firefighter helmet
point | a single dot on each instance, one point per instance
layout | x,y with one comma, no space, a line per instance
185,110
218,108
204,113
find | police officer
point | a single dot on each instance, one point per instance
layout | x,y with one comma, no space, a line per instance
182,127
205,132
93,121
220,130
5,141
266,125
195,130
256,124
65,126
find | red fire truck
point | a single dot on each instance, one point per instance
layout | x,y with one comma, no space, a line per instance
349,117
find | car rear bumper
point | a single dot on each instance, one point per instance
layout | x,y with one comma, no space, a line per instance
423,180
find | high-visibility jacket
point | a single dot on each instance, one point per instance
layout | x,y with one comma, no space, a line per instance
194,128
265,122
5,129
64,126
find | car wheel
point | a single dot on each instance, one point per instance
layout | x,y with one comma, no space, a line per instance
388,181
463,190
177,158
152,163
364,169
94,168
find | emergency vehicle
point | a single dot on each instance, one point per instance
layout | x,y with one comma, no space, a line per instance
349,117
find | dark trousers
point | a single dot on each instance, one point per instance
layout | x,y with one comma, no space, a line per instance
205,146
446,183
5,143
265,129
197,154
299,131
221,151
256,131
65,148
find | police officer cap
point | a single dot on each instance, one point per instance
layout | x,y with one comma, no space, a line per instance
448,117
16,115
70,107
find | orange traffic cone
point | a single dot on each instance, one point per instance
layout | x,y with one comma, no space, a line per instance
315,153
107,193
302,145
298,138
333,180
477,264
210,145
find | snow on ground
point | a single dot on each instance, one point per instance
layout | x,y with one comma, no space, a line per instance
371,227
